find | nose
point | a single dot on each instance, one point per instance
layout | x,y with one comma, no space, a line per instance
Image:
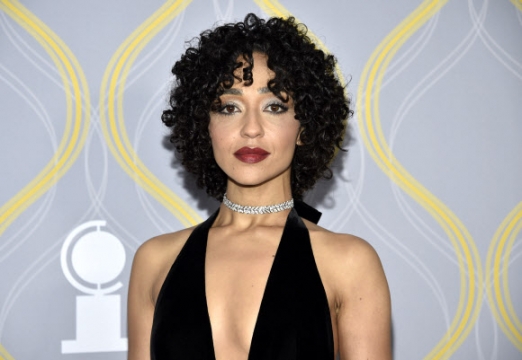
252,125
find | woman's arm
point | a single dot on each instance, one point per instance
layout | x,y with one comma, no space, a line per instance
364,316
140,306
149,269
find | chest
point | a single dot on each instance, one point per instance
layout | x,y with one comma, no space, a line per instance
236,276
236,303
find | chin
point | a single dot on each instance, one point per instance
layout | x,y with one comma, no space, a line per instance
249,182
258,179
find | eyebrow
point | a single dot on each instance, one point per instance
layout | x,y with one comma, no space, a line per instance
232,91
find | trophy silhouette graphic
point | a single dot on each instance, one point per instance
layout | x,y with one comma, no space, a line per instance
97,258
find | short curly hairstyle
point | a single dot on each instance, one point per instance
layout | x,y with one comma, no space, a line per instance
302,71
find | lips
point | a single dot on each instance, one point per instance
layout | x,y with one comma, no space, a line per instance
251,155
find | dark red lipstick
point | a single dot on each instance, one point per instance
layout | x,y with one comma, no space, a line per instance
251,155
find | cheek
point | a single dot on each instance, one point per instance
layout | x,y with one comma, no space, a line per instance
292,135
287,142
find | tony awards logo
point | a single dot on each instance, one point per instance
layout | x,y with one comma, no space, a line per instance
97,257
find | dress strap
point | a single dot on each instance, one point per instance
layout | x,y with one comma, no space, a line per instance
294,318
306,211
181,327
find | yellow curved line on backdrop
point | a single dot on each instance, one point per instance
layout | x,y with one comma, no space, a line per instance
470,298
76,126
497,263
4,355
517,3
506,318
112,89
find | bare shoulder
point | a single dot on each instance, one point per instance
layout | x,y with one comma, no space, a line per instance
154,258
151,264
354,280
345,249
345,260
162,246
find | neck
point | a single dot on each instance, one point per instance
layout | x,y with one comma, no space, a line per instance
272,192
255,196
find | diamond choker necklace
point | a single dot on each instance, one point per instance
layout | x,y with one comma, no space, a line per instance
257,210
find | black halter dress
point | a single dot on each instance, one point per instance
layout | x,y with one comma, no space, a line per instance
294,318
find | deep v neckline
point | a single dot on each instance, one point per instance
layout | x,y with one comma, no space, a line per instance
263,296
293,320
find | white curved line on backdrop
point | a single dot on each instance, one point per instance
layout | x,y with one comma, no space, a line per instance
31,100
145,118
34,269
411,99
415,49
29,227
152,107
346,211
143,64
47,258
409,55
397,66
51,73
508,61
411,258
31,55
39,62
227,15
38,265
136,72
97,208
165,43
405,253
52,254
479,342
97,197
97,194
516,253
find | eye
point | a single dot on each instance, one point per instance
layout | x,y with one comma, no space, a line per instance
276,108
228,109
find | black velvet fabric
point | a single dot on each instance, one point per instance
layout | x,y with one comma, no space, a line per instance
293,320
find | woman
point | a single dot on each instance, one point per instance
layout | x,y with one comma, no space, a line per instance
257,114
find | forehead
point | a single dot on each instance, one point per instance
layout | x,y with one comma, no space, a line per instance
236,91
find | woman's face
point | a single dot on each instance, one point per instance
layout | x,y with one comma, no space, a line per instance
254,133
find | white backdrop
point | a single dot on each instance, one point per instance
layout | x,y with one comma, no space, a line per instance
432,178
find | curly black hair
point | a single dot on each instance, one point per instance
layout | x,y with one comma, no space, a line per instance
302,71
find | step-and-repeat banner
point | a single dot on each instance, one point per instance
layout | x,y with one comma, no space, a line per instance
432,179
